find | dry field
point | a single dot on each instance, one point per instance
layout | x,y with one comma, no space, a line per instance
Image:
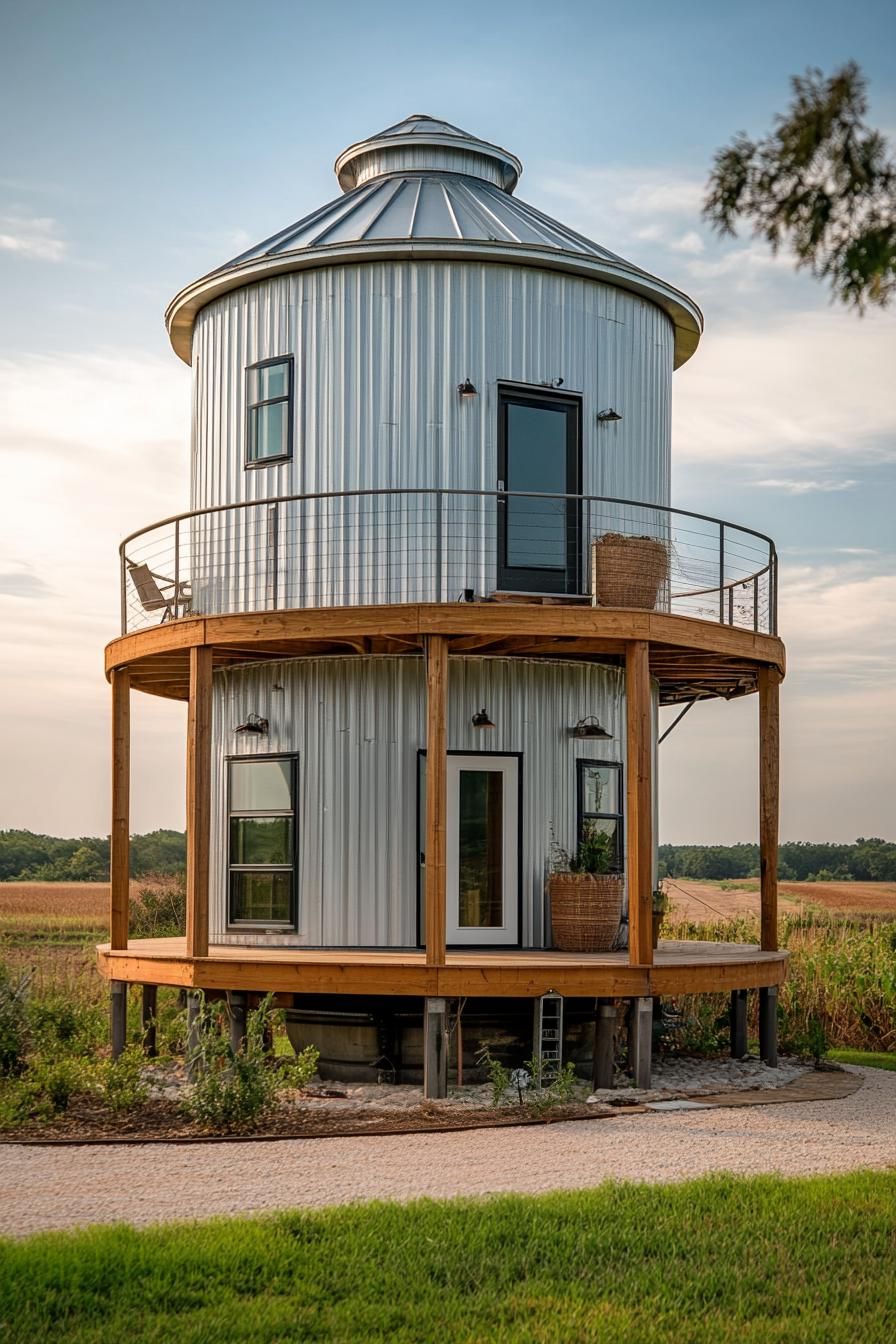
705,900
85,901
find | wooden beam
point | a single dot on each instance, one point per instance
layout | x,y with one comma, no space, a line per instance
120,835
435,842
199,726
639,803
769,753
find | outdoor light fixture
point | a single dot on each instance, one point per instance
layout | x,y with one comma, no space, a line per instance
589,727
605,417
466,389
482,720
254,724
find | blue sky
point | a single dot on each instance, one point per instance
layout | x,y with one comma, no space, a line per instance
143,146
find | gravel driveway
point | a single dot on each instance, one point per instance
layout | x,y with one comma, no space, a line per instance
65,1187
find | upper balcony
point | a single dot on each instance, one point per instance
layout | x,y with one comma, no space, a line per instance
372,547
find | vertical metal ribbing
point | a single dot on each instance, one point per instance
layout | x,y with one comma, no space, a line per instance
273,552
438,575
721,573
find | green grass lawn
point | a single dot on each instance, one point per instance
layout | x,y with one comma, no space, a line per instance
715,1260
869,1059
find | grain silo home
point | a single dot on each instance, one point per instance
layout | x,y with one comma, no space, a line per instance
425,604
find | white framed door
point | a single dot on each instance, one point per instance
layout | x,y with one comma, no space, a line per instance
482,860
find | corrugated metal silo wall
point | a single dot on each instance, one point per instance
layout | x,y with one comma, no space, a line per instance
357,725
379,351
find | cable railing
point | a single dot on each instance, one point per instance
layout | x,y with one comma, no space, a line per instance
371,547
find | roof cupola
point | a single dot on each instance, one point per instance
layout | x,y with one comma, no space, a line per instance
421,144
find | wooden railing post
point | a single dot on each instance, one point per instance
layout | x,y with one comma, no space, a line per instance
436,796
120,834
769,790
639,803
199,724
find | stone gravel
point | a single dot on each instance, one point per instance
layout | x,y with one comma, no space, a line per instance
45,1187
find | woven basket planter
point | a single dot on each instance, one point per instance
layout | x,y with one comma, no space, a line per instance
585,910
628,571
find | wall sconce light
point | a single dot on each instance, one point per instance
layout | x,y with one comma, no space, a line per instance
466,389
590,727
608,416
482,720
254,724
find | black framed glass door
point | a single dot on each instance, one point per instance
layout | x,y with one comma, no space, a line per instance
539,451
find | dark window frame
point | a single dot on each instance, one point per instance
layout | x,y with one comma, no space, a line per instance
582,763
274,926
553,578
251,463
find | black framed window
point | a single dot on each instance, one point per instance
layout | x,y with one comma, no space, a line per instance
539,454
262,841
599,801
269,411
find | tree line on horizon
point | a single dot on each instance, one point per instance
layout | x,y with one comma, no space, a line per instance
26,857
871,860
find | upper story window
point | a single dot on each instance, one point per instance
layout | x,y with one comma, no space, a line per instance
262,841
599,800
269,393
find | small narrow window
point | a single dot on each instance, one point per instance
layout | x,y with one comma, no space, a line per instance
599,800
269,411
262,841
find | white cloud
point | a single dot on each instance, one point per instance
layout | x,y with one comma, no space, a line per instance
805,485
689,242
788,391
34,237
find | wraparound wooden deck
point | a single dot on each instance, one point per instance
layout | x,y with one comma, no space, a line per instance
678,968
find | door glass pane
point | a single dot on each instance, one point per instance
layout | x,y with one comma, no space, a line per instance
536,460
263,898
481,849
261,839
269,431
260,786
600,789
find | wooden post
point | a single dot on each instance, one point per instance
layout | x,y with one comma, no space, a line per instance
738,1023
199,724
120,836
237,1003
194,1035
768,1025
602,1074
435,842
769,751
119,1017
148,1017
640,1037
639,803
435,1049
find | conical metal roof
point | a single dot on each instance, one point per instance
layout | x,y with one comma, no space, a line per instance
428,189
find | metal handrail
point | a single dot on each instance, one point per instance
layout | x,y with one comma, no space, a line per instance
694,549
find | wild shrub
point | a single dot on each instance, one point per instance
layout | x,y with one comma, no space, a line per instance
232,1090
159,909
298,1071
13,1021
122,1084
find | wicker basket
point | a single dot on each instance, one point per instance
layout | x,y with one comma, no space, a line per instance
628,571
585,910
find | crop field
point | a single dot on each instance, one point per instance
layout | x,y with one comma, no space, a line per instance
730,899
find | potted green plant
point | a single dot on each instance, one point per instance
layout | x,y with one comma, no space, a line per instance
660,910
585,890
628,571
